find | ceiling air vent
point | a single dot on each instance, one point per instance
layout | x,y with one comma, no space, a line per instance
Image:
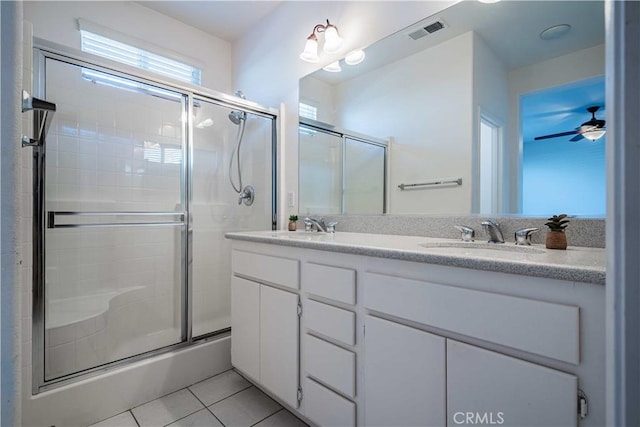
426,30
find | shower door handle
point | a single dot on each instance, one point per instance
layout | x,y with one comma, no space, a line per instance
51,219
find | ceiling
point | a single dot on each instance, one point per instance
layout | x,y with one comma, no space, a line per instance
228,20
510,28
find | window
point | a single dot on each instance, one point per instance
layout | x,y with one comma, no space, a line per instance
308,111
156,153
139,58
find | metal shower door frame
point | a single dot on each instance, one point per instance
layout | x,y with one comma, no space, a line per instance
44,50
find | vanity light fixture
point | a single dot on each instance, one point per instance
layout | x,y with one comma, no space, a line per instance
488,1
354,57
334,67
332,42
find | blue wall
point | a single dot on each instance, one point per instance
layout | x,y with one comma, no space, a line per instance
559,176
564,177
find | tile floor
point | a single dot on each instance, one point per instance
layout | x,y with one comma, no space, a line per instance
226,399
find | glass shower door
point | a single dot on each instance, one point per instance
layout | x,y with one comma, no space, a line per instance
320,171
222,138
116,230
363,177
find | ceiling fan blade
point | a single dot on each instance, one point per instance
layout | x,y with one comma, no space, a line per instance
578,137
555,135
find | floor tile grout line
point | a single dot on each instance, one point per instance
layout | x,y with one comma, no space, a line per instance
213,376
207,407
182,418
134,417
231,395
270,415
214,416
165,395
188,415
196,396
158,398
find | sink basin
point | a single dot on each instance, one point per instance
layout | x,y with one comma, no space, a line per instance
505,247
295,235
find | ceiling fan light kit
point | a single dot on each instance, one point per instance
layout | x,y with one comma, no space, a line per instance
592,129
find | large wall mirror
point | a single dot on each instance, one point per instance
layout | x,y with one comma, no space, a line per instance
482,108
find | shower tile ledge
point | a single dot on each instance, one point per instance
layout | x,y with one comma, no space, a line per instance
577,264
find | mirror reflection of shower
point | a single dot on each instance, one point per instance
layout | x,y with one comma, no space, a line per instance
247,194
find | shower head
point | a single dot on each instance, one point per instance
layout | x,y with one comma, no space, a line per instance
237,117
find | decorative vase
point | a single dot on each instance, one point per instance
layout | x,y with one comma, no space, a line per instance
292,226
556,240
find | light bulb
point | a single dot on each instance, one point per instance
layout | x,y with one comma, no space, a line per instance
333,67
332,41
310,52
354,57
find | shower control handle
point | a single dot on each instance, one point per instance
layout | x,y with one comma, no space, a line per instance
247,195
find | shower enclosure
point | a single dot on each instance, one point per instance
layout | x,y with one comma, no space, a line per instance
132,197
340,172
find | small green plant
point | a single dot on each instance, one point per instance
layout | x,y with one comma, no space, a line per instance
557,222
293,218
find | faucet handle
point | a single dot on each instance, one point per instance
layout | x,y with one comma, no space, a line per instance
466,233
523,237
308,224
331,226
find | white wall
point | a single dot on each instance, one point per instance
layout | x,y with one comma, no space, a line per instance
320,95
572,67
12,249
266,64
491,99
56,21
430,122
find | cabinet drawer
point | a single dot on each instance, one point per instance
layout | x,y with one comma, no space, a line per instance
268,269
331,364
538,327
330,282
333,322
326,408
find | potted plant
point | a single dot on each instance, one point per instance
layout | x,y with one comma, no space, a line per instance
556,238
292,222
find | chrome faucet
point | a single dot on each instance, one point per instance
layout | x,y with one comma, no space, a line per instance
492,228
523,237
310,222
319,223
466,233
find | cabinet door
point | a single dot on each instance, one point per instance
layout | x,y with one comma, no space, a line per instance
245,326
484,387
404,376
279,332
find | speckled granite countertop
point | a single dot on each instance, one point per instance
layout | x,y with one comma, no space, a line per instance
577,264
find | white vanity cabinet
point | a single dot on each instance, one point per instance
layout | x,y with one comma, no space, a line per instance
265,322
385,342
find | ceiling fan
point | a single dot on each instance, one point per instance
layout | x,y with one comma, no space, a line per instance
592,129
